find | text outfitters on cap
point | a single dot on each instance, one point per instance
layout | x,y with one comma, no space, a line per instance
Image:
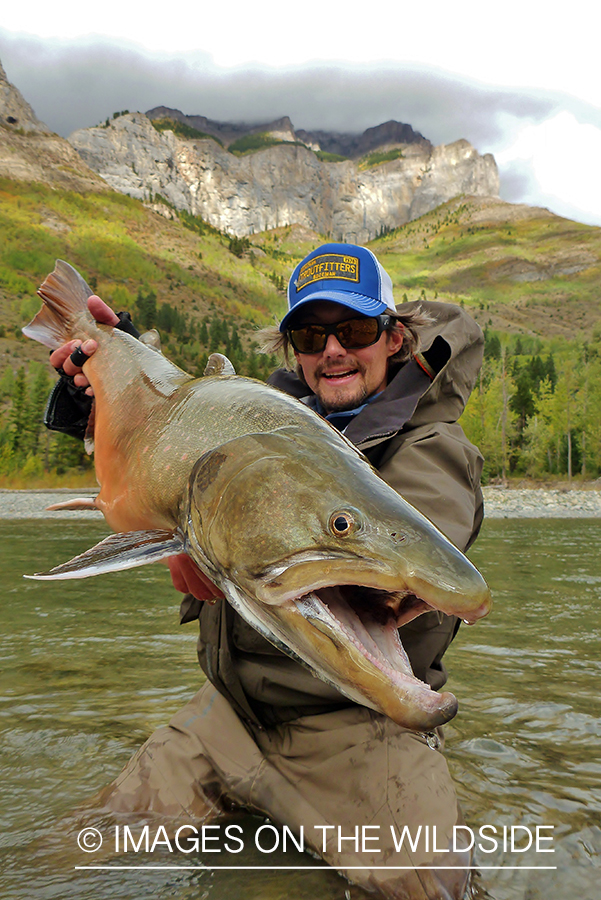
343,273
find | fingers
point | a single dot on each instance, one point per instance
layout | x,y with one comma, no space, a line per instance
188,579
61,358
101,311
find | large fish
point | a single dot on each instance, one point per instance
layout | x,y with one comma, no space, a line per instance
301,534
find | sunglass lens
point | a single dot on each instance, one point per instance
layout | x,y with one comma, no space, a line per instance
352,334
308,339
356,333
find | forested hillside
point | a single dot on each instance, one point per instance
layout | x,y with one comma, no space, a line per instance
528,277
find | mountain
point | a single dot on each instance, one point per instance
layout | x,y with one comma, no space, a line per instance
518,269
246,180
352,146
29,151
529,277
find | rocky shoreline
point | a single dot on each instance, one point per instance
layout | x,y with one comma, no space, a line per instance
499,503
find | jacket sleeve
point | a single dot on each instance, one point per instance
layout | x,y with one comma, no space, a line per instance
436,469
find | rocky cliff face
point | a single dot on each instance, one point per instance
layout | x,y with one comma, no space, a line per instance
281,184
29,151
350,145
357,145
15,113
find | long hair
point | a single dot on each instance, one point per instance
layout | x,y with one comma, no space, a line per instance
272,340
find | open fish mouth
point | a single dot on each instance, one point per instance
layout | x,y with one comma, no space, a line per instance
370,619
347,635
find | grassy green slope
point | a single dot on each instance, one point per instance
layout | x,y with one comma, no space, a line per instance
121,247
518,269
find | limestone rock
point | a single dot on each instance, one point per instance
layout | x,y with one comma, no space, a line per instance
16,115
29,151
282,184
356,145
227,132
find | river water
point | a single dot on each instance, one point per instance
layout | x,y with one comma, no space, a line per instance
90,668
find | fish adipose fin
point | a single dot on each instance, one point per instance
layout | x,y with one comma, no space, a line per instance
65,295
116,552
218,364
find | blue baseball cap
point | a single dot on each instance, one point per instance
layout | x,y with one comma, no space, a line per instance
345,273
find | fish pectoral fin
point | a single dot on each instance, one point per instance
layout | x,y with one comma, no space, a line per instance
218,364
77,503
116,552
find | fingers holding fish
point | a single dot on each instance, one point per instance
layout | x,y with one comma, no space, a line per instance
101,311
70,357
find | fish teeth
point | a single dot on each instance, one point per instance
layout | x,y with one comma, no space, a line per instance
312,607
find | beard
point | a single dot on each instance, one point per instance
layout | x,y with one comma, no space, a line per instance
341,398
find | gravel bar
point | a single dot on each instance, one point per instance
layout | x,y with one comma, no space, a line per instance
499,503
32,504
537,503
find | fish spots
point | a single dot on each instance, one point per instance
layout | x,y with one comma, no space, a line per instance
184,457
207,469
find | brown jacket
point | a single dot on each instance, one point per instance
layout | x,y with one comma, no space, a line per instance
410,434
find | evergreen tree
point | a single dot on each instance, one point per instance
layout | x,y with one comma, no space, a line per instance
146,305
19,413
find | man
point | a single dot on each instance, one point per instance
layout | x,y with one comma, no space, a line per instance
264,733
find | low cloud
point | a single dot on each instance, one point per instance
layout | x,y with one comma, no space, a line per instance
78,83
75,84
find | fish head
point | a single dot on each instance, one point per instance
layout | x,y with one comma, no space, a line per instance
326,560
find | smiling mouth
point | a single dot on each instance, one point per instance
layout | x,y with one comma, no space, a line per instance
347,373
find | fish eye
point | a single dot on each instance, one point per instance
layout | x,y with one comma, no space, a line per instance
342,523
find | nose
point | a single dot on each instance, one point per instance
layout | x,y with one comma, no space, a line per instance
333,347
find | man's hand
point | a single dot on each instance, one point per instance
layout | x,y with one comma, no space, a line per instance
188,579
60,359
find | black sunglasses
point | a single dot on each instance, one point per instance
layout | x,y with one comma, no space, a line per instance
351,334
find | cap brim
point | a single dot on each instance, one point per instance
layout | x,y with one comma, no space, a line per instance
366,306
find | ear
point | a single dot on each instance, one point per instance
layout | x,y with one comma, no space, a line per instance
394,339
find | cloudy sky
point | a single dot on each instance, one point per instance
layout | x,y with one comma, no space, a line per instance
520,80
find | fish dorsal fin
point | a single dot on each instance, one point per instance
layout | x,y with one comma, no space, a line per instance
116,552
152,339
218,364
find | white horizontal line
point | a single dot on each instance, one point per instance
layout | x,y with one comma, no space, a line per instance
306,868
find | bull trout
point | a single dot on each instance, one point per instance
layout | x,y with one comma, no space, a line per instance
274,505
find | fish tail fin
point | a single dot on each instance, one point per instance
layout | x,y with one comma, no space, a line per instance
65,296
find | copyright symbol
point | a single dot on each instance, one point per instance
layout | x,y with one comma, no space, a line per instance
89,840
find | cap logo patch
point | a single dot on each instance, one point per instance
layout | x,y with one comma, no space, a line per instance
330,265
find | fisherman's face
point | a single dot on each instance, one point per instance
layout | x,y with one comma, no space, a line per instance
344,379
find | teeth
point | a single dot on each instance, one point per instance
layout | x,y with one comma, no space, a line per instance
380,646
